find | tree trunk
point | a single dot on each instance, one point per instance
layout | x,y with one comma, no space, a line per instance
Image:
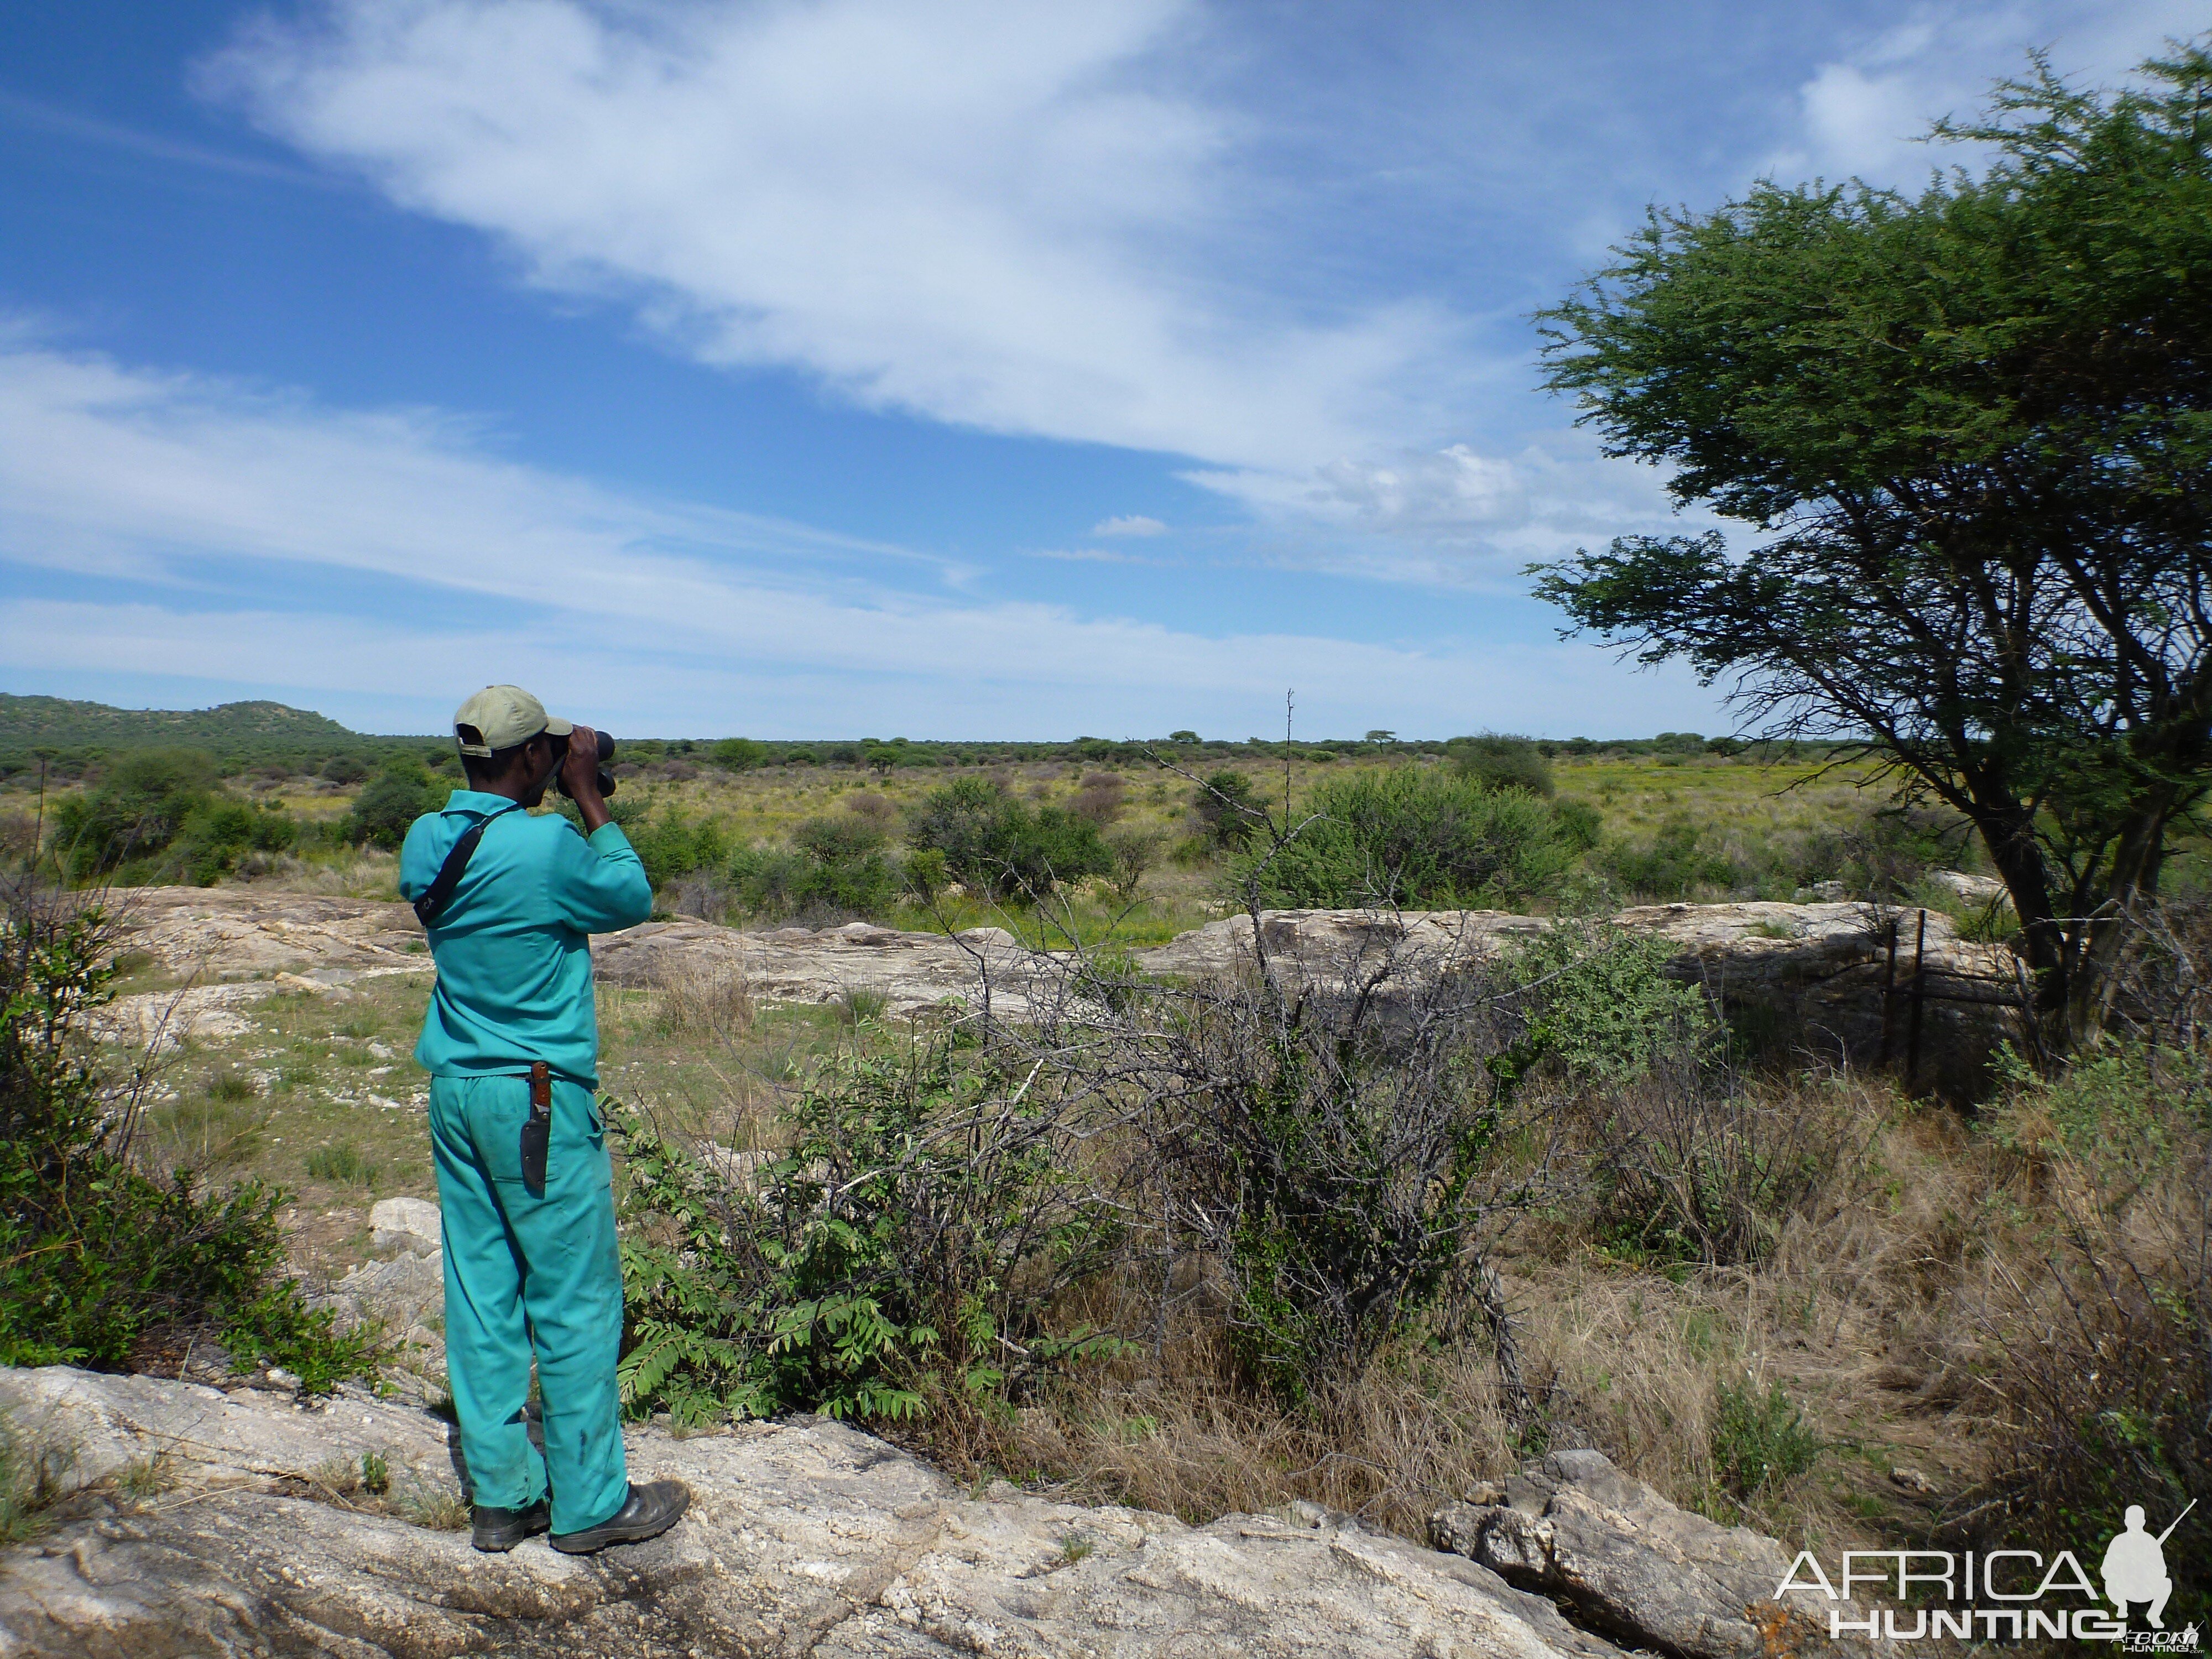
2101,936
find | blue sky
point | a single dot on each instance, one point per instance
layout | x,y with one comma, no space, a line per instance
869,366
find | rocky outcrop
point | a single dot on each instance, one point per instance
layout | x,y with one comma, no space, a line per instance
1625,1561
241,933
912,973
1825,971
804,1538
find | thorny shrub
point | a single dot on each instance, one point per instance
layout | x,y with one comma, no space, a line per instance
1691,1163
1329,1146
902,1245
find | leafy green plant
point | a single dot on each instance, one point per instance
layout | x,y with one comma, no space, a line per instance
672,845
95,1250
1498,762
1598,1003
397,795
1416,836
1760,1441
739,754
998,846
904,1246
136,809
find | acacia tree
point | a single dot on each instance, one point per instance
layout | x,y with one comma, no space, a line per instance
1972,432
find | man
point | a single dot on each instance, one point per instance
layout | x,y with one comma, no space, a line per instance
2134,1569
512,1046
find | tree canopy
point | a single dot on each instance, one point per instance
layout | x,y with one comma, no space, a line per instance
1972,433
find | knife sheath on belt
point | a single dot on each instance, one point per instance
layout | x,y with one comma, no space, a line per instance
538,1128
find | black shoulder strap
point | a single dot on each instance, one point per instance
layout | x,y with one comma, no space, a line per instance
431,904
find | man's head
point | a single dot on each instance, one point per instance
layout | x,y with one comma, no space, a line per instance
509,744
2135,1517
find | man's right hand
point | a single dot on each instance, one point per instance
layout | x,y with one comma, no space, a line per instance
580,774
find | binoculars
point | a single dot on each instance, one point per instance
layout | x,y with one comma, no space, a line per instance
606,759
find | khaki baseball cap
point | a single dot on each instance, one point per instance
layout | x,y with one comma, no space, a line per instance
503,717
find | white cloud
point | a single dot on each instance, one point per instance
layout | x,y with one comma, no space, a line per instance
1000,214
236,537
1452,516
1865,113
1129,524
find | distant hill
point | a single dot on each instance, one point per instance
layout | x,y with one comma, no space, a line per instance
236,732
59,722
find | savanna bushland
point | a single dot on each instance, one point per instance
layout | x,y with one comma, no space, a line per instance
1369,1235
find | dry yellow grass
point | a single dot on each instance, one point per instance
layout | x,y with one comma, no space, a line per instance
1877,1313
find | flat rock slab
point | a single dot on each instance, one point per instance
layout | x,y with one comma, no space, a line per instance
209,1437
914,973
804,1538
1626,1562
238,931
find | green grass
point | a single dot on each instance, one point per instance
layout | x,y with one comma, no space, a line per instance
230,1085
342,1165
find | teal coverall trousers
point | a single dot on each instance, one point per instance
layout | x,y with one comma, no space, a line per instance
526,1275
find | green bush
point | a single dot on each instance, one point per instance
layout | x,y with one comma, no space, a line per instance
95,1250
1581,824
837,838
135,811
907,1244
391,801
1501,762
1228,807
1759,1441
1598,1004
1413,835
1001,847
1673,867
774,882
738,754
672,845
218,835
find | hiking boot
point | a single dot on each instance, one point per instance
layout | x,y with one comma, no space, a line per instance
650,1510
497,1530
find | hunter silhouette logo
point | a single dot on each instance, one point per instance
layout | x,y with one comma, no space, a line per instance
2135,1566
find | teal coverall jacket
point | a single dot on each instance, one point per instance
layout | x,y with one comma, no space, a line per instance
527,1274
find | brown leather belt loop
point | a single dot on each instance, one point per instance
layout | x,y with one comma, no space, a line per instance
541,1084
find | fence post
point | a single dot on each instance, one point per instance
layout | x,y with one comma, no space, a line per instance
1912,1041
1888,993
